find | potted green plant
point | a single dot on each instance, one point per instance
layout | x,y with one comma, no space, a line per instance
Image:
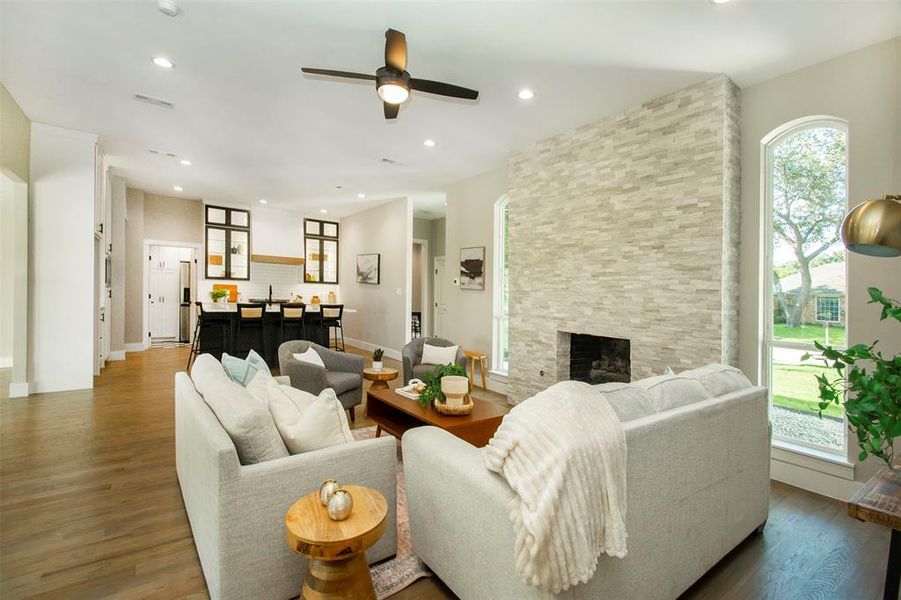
377,359
868,385
432,391
219,295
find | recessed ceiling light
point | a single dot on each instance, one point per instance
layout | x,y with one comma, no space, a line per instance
262,201
323,211
526,94
719,1
162,61
177,188
186,163
429,143
361,195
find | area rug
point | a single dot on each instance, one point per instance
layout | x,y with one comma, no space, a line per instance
392,575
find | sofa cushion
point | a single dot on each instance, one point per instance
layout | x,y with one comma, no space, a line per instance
438,355
628,401
719,379
304,421
310,356
244,419
239,370
343,382
672,391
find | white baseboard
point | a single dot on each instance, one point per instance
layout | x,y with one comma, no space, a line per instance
818,482
136,347
395,354
18,389
117,355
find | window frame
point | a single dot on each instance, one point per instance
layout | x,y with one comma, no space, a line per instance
838,308
766,326
500,310
322,238
228,227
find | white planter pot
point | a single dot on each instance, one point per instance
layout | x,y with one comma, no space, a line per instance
455,389
376,365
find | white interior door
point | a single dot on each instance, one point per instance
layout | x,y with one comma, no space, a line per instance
440,307
164,299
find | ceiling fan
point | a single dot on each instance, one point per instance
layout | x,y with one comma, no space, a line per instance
393,82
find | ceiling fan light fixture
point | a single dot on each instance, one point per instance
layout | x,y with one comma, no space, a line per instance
393,93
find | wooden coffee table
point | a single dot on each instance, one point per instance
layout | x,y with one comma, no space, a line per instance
336,549
381,378
396,414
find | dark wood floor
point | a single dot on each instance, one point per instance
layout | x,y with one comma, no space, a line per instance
90,507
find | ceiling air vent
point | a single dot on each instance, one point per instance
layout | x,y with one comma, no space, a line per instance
389,161
154,101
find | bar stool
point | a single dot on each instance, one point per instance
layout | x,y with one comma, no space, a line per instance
331,319
209,324
472,357
250,319
292,315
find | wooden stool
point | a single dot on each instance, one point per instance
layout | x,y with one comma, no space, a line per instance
473,357
336,549
381,378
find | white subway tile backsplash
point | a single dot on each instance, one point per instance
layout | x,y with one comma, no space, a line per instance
286,281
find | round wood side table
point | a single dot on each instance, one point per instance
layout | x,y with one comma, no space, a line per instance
381,378
336,549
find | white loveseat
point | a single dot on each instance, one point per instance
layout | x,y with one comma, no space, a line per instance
237,512
697,485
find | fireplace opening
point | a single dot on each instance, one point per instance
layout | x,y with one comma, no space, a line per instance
598,359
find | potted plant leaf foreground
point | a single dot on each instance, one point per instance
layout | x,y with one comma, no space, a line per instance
868,385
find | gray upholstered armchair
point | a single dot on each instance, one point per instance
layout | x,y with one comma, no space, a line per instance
343,372
412,354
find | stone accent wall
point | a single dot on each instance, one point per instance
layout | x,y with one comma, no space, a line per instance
628,227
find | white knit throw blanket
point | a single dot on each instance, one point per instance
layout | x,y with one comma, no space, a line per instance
563,452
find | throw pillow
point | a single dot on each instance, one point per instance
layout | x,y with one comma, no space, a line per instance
311,357
249,425
304,421
258,361
628,401
239,370
436,355
719,379
672,391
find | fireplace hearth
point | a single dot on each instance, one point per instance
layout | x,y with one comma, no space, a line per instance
598,359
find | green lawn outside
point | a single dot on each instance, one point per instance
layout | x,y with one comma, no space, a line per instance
794,387
808,333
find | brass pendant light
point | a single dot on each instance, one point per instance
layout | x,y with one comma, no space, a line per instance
874,227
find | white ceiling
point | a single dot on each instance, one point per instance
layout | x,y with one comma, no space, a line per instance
254,127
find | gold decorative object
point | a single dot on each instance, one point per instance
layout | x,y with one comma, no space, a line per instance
340,505
874,227
327,490
332,298
314,300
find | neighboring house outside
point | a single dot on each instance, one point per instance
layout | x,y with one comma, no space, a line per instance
826,301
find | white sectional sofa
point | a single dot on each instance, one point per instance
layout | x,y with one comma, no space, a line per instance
237,512
697,485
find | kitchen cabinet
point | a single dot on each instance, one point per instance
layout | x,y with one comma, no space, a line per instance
227,243
320,251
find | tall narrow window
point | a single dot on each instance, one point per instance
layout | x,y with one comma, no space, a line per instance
500,346
806,197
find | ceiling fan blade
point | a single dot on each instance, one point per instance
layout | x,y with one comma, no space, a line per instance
443,89
395,50
344,74
391,110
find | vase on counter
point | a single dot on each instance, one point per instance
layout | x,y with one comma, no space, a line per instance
332,298
314,300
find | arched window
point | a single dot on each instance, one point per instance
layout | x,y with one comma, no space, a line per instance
803,278
500,339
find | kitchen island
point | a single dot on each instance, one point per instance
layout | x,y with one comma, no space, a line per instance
210,337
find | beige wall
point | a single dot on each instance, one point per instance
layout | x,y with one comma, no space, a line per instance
383,316
159,218
173,219
470,222
438,237
863,88
15,148
15,136
416,288
117,199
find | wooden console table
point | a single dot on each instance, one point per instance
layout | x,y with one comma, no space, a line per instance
879,501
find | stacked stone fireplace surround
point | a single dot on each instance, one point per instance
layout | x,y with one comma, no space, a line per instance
628,228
